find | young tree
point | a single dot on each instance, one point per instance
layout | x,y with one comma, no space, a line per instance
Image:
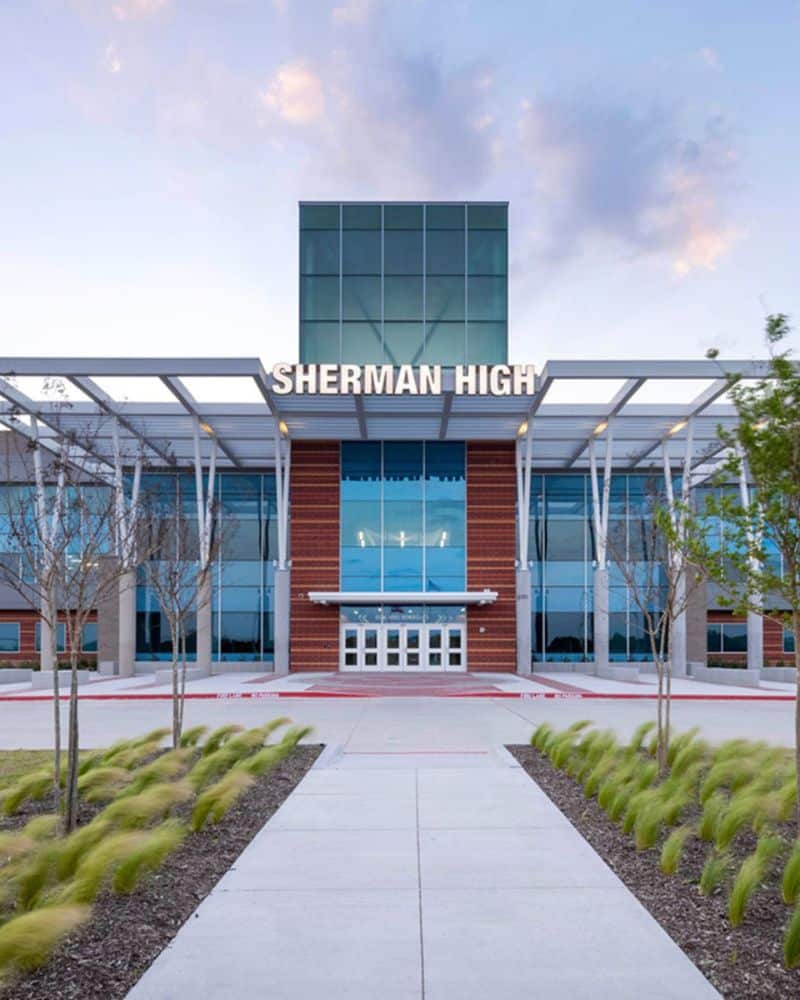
32,508
179,578
760,570
87,579
65,516
652,559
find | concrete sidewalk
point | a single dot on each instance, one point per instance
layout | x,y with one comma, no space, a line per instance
442,875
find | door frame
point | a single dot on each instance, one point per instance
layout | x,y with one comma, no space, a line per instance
365,647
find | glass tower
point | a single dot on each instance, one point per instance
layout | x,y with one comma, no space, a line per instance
404,283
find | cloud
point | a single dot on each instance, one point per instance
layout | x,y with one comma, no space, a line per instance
295,94
638,182
710,57
132,10
111,59
352,12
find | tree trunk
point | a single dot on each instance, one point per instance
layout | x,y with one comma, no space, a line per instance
182,702
53,616
71,791
796,634
175,641
660,717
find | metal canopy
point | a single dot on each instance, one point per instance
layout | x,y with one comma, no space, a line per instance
403,597
560,428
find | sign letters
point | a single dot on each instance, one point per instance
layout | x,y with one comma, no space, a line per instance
402,380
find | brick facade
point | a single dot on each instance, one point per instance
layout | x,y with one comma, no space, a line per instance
491,554
314,628
27,619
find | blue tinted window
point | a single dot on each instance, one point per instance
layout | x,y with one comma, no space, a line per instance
362,342
445,252
361,216
402,216
445,299
402,298
487,252
319,343
486,298
319,216
402,569
89,638
410,513
319,252
403,343
361,252
319,298
361,298
361,470
402,522
445,343
445,216
448,561
402,252
402,470
487,343
487,216
361,523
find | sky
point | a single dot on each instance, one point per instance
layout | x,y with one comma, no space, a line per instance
153,153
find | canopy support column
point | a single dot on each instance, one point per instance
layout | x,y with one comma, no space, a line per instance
523,576
600,509
282,587
205,516
755,621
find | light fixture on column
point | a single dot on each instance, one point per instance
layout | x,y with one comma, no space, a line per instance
442,540
361,539
600,427
402,539
678,427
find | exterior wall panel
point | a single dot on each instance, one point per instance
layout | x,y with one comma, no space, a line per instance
27,619
491,554
314,493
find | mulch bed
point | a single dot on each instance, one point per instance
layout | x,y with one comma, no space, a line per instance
126,934
746,962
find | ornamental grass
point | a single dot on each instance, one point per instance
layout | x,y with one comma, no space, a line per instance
32,786
790,883
672,850
48,881
214,802
724,798
751,874
26,941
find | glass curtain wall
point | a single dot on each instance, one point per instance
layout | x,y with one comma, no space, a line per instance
243,574
561,554
403,283
403,516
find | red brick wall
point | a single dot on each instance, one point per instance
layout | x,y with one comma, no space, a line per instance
773,640
773,645
27,638
491,554
315,554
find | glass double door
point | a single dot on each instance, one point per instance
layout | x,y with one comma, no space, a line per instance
403,647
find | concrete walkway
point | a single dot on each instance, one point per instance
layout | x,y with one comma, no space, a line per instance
437,874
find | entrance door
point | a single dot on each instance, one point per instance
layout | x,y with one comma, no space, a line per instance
403,647
445,648
359,647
